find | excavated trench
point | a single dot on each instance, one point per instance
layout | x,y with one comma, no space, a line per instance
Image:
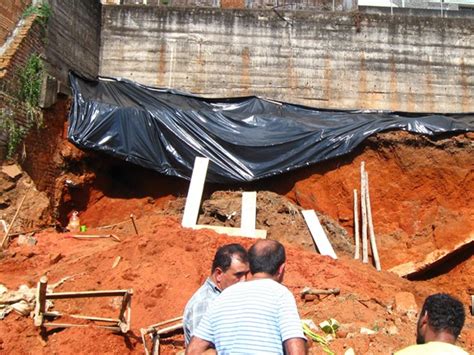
421,191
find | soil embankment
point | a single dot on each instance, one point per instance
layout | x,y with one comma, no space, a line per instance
422,200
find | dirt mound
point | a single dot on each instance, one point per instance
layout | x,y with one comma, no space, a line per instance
276,214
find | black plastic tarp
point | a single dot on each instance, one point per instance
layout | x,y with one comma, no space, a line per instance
245,138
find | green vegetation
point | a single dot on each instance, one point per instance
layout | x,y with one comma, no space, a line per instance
42,11
15,133
30,79
31,76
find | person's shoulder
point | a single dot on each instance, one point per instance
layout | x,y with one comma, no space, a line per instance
433,348
202,294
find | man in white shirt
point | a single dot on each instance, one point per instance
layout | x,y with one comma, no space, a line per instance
230,265
439,325
257,316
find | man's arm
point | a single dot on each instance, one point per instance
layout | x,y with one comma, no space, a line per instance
197,346
295,346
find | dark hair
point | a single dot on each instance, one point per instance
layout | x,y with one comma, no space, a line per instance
224,254
445,313
266,256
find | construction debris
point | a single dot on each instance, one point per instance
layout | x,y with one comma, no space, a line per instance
23,300
92,236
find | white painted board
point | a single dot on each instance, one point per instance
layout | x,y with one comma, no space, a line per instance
196,187
249,213
317,232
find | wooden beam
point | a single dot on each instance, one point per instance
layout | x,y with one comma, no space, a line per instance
165,322
249,213
356,227
317,232
84,294
233,232
40,306
196,188
432,259
363,204
373,242
69,325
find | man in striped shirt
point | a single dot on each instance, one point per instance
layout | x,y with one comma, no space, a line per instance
230,265
254,317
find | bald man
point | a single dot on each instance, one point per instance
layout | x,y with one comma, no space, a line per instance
257,316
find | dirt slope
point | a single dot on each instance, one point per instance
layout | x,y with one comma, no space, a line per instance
422,201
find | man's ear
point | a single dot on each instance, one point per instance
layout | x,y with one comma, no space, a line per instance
218,274
423,319
281,269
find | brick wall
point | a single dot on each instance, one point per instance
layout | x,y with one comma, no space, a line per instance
10,14
28,41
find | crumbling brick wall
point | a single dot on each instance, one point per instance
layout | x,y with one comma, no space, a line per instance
10,13
27,41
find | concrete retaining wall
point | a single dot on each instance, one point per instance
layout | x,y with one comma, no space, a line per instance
328,60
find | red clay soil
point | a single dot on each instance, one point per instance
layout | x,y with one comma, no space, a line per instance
422,200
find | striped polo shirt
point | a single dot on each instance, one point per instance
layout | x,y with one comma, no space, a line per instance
253,317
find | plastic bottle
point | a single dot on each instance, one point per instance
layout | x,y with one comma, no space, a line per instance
74,224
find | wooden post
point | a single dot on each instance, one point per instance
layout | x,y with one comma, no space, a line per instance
132,217
356,226
365,252
373,244
40,306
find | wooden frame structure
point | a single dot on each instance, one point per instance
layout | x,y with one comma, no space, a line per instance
156,331
120,324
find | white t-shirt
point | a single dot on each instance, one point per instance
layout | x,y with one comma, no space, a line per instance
432,348
253,317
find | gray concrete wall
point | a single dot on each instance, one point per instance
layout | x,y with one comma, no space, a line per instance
328,60
73,37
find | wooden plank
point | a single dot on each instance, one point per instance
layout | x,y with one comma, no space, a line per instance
196,187
363,204
373,243
165,322
40,306
170,329
317,232
69,325
83,294
356,226
431,260
249,213
233,232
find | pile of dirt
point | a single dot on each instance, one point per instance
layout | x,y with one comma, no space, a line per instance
279,216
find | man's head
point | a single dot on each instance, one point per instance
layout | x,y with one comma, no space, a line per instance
230,265
268,257
441,319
